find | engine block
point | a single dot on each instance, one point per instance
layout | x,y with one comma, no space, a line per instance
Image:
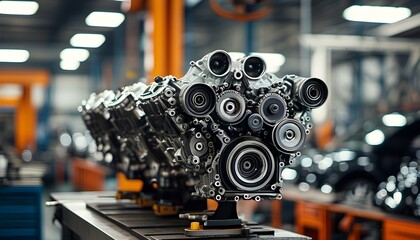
225,130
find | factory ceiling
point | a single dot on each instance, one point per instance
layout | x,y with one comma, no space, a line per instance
46,33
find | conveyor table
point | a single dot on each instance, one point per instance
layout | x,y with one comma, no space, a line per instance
98,215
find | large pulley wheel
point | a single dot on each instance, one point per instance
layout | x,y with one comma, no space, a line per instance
272,108
248,164
198,100
289,136
312,92
231,107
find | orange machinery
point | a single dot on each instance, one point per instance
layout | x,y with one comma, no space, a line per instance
26,115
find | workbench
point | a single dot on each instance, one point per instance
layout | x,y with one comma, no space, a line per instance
315,210
98,215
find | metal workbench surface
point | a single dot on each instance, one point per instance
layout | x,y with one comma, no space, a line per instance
106,219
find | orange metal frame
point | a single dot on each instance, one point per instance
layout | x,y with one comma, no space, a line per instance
9,102
239,13
25,118
167,18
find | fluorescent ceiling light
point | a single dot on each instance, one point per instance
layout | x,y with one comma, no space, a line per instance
10,91
75,54
13,55
104,19
273,60
69,65
18,7
88,40
376,14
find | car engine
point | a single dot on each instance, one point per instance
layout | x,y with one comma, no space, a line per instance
224,131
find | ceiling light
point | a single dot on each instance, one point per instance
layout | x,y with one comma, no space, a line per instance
18,7
376,14
69,65
104,19
88,40
75,54
13,55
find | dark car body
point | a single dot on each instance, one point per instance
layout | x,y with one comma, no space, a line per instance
370,152
400,194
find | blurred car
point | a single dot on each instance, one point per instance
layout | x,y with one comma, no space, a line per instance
355,165
400,194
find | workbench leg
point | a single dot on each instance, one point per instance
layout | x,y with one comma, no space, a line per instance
356,232
315,217
276,211
325,231
68,234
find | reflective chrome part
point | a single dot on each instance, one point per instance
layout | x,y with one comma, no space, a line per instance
230,106
272,108
197,99
249,165
310,92
219,63
254,67
212,69
255,122
289,136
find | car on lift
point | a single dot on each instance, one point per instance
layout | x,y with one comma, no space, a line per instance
354,166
